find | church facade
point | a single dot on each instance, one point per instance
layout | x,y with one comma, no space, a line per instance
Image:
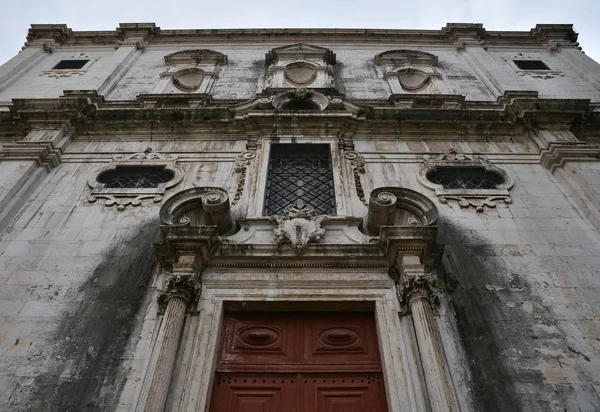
300,220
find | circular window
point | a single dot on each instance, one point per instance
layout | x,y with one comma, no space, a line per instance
301,74
412,79
133,177
465,178
188,80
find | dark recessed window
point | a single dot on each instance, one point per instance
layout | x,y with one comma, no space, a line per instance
464,178
531,65
134,177
70,64
299,105
300,174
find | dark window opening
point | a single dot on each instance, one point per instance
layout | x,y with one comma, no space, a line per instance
299,105
70,64
465,178
300,174
531,65
134,177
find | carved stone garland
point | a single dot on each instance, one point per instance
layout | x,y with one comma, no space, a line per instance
477,198
298,226
242,161
358,167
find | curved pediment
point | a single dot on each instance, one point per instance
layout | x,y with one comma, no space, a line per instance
406,57
195,56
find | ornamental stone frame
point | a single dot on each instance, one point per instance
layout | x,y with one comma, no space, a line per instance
299,65
477,198
237,270
408,71
191,71
123,197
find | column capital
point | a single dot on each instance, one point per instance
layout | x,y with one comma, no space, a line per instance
184,287
414,282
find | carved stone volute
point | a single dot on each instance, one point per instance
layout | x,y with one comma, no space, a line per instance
199,206
395,206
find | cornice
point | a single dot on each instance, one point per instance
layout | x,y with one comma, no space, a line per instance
542,34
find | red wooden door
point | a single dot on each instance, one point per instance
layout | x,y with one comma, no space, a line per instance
298,362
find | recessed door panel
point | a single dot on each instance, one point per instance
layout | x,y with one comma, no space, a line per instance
299,362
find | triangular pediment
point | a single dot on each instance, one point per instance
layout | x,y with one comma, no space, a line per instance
300,50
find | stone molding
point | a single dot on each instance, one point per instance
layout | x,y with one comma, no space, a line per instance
205,65
45,154
477,198
557,154
123,197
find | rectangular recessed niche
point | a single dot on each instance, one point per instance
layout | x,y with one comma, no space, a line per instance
70,64
531,65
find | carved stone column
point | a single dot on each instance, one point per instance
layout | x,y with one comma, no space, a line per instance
416,294
182,290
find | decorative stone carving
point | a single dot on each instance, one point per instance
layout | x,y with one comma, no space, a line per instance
477,198
407,70
199,206
395,206
299,226
122,197
422,286
242,161
183,287
192,70
358,167
299,65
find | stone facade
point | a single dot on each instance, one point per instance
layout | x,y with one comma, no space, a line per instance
485,299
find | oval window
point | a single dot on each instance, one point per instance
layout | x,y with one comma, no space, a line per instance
412,79
464,178
133,177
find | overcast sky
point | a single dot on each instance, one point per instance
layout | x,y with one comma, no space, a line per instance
390,14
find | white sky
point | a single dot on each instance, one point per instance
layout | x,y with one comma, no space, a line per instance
17,16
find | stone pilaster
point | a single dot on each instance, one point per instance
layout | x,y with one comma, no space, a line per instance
416,292
182,290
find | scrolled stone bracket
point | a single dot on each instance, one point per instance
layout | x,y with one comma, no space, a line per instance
242,161
357,162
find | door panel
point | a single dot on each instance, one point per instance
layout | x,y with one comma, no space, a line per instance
299,362
343,393
254,393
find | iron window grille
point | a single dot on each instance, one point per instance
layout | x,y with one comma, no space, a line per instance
70,64
300,174
134,177
531,65
465,178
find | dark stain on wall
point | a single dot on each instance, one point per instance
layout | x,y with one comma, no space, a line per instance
469,265
86,370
